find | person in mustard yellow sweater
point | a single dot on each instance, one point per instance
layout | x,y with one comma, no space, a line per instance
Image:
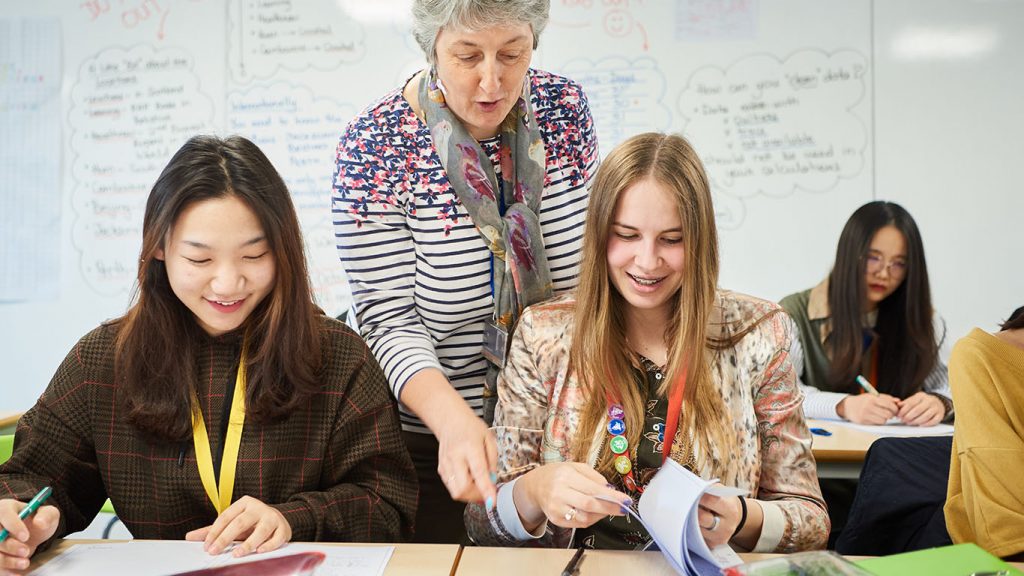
985,502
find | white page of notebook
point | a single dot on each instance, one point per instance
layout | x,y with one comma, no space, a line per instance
894,427
669,511
159,558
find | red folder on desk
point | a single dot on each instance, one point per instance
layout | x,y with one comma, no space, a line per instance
300,564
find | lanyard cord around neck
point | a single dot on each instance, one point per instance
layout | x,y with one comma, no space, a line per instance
220,493
675,407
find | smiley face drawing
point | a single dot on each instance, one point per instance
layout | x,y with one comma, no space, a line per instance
618,23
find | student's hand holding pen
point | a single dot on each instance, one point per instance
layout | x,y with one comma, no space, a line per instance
868,408
24,535
567,494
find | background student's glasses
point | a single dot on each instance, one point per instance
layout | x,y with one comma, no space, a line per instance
875,263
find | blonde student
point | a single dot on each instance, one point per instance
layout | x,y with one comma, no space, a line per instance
224,405
694,373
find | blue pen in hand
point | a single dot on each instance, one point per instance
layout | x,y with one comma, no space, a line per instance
29,508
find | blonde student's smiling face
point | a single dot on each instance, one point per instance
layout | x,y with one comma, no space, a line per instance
218,262
483,73
646,256
885,264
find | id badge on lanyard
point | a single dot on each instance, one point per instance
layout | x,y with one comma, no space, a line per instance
495,343
495,335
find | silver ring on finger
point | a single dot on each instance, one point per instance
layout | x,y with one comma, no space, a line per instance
570,513
715,520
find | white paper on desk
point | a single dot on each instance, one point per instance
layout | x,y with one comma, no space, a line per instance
158,558
895,427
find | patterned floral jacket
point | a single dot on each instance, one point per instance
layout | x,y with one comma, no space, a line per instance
539,409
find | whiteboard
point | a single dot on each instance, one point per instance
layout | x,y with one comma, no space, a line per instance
801,109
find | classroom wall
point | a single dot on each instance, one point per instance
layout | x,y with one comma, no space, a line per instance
801,109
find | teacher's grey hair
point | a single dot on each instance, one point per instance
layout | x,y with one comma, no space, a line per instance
429,17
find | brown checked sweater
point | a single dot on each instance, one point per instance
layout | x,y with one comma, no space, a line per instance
336,467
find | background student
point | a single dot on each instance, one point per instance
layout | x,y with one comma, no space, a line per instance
872,317
697,374
458,201
223,405
985,502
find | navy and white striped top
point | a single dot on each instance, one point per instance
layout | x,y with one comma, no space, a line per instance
418,269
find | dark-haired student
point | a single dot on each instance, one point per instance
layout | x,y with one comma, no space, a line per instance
985,502
872,317
223,406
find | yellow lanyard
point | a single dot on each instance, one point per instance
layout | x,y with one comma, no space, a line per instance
220,495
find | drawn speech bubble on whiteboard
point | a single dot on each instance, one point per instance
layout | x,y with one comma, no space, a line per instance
299,134
765,126
626,96
131,109
265,37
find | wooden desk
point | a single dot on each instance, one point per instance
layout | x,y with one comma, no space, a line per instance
8,418
840,455
516,561
407,560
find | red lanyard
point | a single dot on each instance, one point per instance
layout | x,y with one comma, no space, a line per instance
675,406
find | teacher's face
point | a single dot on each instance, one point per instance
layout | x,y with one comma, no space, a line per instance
483,72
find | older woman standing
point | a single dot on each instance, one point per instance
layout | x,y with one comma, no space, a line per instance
458,201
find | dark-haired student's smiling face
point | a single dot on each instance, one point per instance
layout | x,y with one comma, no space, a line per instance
219,262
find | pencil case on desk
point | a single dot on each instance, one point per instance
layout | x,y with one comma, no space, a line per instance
299,564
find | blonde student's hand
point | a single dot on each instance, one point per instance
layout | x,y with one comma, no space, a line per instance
566,494
25,535
922,409
258,526
868,408
467,458
728,513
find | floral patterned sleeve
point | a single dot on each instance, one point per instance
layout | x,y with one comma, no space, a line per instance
789,476
519,422
370,201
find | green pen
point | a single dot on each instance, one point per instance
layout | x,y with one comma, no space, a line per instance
29,508
866,385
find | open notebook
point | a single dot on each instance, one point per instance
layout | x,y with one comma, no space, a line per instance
668,510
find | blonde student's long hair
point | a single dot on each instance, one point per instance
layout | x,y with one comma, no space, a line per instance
600,355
